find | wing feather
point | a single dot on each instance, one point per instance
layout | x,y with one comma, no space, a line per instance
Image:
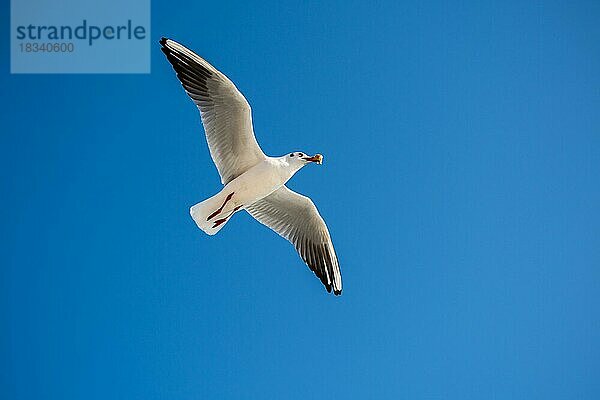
296,218
225,113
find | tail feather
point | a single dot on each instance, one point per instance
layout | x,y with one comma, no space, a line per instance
205,216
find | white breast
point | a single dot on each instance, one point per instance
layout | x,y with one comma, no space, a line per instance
258,182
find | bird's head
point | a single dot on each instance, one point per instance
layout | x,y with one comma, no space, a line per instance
300,159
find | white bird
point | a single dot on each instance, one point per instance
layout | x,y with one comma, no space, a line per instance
253,181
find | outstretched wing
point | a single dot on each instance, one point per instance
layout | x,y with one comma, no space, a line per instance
225,113
296,218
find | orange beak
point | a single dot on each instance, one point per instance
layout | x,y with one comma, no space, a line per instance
318,158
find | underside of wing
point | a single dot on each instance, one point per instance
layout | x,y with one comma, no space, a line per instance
296,218
225,113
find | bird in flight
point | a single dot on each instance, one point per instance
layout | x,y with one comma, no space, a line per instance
252,180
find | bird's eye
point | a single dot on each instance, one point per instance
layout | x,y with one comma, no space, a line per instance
299,154
292,155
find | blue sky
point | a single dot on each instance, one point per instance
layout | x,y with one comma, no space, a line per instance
460,186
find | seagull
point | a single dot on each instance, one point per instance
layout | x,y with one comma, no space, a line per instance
252,180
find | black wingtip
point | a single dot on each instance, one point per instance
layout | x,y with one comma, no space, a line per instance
163,41
337,292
